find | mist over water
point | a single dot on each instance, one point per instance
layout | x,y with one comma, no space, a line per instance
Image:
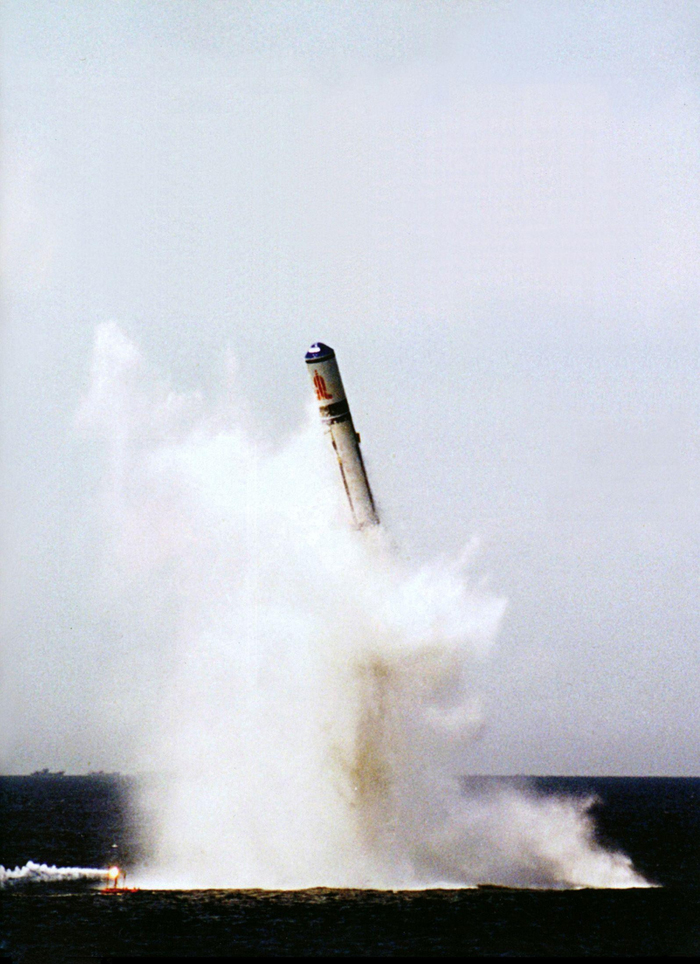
310,689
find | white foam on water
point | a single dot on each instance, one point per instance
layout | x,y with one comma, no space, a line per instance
311,689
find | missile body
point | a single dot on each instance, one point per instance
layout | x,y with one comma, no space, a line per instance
337,421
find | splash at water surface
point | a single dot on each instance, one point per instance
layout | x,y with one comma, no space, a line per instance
312,690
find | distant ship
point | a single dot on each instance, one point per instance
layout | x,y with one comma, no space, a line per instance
48,773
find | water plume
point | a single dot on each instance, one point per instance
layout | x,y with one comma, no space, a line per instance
313,689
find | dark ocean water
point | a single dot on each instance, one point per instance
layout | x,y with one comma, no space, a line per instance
76,821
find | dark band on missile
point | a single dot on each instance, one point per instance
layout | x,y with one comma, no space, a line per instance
335,411
319,353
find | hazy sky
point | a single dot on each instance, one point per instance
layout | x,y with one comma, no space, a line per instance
489,209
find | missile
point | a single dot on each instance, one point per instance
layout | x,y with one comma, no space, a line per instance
337,422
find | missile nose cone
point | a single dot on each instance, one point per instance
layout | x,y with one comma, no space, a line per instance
319,352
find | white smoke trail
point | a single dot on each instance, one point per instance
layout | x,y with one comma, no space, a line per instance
311,689
33,873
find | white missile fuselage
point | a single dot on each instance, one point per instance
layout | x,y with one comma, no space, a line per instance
338,424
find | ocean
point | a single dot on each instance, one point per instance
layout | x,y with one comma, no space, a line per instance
87,821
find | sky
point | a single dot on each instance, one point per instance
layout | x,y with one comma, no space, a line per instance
489,209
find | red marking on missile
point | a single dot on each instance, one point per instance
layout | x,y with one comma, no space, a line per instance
320,386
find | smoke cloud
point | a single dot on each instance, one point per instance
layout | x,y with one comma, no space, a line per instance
34,873
310,689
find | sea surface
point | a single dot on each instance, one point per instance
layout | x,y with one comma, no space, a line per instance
86,821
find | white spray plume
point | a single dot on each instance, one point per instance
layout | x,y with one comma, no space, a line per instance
34,873
311,690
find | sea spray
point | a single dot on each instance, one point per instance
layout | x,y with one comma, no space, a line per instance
312,688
